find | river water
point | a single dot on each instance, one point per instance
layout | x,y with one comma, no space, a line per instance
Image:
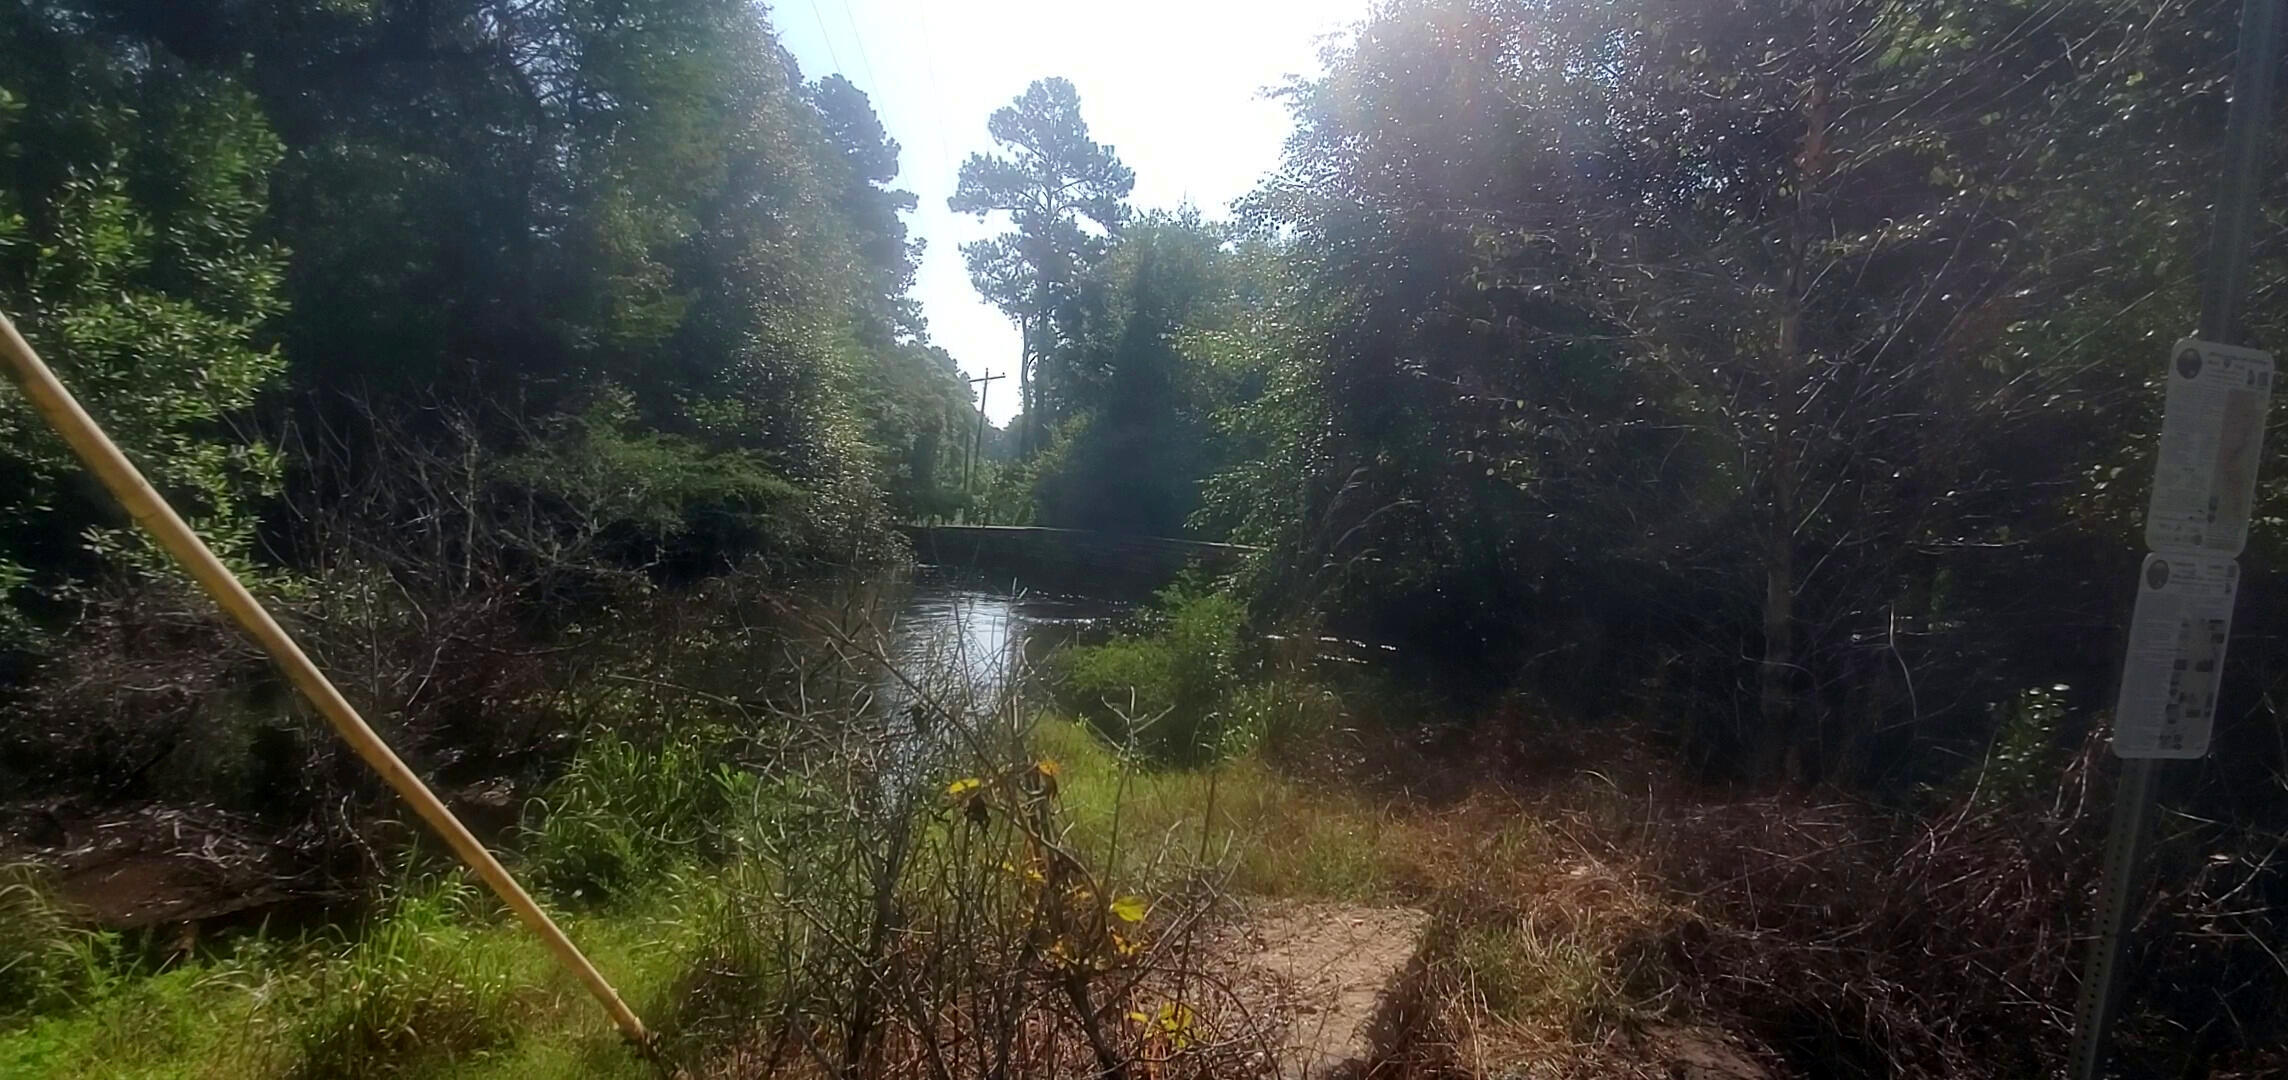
973,637
964,638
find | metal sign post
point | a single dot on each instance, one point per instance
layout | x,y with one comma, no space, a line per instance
2196,524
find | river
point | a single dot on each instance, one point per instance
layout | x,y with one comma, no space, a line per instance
972,637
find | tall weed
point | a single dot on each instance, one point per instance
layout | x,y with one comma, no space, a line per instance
622,813
47,960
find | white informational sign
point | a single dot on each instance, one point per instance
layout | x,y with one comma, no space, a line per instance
2212,437
2176,656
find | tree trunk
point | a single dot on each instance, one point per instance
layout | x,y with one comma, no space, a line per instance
1029,372
1777,753
1026,414
1781,751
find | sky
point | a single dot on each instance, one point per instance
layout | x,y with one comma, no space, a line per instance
1174,87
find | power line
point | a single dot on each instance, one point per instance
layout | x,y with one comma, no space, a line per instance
825,36
864,62
937,96
946,160
936,107
874,84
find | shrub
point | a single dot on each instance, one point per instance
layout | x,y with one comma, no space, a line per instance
1167,691
641,499
2025,759
1281,716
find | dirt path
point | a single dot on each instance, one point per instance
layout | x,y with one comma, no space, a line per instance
1320,973
1324,968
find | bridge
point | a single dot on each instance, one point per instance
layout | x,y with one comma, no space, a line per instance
1070,554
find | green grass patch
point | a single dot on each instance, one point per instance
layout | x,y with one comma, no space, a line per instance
46,961
622,815
212,1019
1274,836
443,985
1524,973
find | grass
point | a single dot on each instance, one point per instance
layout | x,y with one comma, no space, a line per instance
440,983
186,1023
622,815
1546,920
1534,944
1275,837
442,986
46,961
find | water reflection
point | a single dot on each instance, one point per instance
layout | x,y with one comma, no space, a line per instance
970,639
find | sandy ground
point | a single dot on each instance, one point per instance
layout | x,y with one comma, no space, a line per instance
1325,968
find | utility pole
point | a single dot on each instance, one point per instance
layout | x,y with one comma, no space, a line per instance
2247,134
984,384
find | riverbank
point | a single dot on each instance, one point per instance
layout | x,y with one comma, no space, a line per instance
1001,887
1582,920
739,743
1558,933
439,982
246,811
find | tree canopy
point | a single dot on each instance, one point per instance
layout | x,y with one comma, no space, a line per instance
1770,368
1773,363
233,227
1064,194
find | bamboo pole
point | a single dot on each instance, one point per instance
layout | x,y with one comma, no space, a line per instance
150,510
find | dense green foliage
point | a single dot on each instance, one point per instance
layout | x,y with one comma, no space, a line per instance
622,248
1781,372
1777,359
132,196
1143,439
1166,689
1775,377
1686,335
474,333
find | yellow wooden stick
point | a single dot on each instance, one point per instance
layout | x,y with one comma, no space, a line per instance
150,510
